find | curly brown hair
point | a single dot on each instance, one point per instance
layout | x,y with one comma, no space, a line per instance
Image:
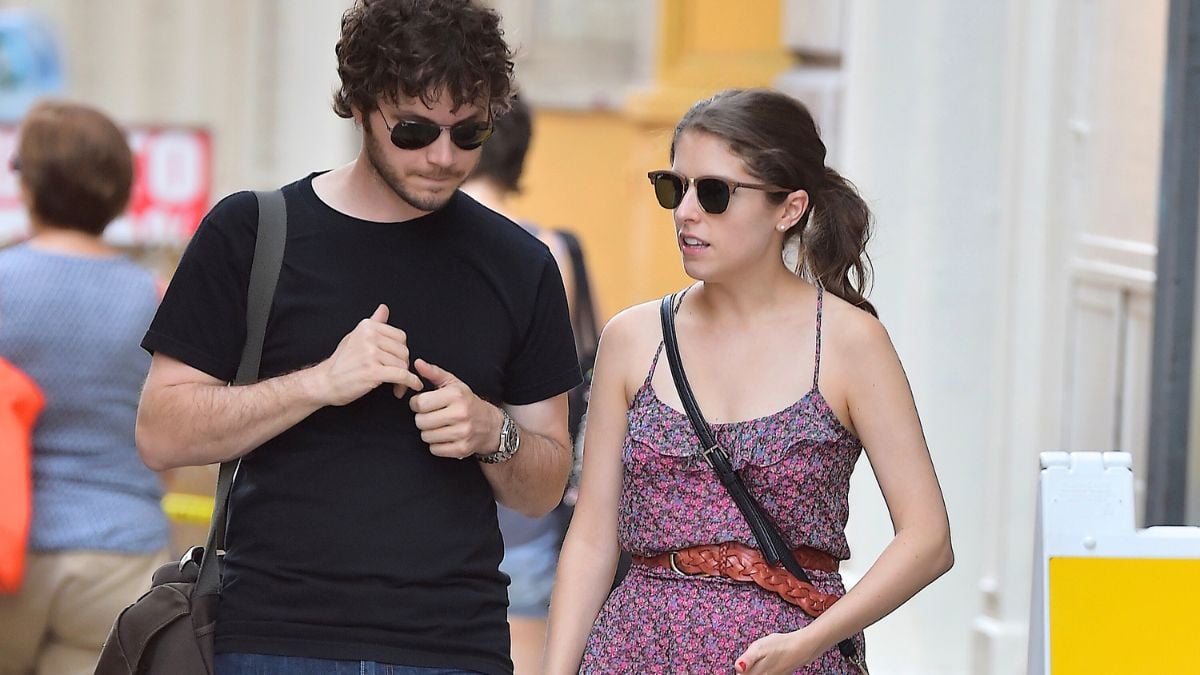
422,49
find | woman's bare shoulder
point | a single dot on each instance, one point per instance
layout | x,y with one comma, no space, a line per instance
628,345
633,328
851,329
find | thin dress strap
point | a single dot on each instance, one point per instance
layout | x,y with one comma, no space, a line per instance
817,358
654,363
681,295
662,343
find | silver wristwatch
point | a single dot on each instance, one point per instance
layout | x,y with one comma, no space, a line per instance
510,442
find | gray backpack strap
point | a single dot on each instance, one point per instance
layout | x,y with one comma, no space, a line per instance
268,258
264,273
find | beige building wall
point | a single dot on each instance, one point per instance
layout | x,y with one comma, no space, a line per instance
257,73
1011,153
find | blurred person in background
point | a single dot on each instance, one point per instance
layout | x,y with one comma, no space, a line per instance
72,310
415,371
796,375
531,544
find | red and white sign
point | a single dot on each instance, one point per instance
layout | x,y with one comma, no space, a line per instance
172,180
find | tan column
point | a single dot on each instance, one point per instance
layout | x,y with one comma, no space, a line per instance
587,169
704,46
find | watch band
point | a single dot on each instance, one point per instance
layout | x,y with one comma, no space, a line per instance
510,442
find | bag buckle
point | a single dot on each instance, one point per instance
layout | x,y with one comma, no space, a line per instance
707,454
193,555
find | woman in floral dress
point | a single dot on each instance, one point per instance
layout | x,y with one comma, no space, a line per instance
796,376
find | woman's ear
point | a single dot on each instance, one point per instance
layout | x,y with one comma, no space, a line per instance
793,208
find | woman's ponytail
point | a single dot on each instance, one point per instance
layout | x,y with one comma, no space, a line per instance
833,243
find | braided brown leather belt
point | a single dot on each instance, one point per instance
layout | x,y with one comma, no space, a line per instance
739,562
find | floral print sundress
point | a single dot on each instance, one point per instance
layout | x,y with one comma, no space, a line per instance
797,462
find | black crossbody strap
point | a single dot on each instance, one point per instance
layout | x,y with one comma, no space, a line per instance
766,533
264,273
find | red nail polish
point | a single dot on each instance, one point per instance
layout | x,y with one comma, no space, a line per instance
742,665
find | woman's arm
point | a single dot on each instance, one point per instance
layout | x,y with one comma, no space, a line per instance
882,410
589,554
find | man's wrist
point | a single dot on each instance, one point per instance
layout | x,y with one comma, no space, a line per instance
508,441
312,384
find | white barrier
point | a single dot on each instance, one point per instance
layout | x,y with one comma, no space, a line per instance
1109,598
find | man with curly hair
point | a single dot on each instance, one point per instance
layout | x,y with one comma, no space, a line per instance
415,370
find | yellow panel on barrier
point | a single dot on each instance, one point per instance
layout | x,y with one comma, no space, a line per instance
1123,616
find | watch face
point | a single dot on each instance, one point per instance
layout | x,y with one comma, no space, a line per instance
509,437
510,441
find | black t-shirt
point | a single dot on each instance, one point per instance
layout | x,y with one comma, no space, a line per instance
347,539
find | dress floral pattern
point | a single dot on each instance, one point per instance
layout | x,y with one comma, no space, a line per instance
797,462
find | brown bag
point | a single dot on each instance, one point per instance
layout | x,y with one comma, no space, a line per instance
170,629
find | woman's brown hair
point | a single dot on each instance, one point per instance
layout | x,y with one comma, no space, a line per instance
75,164
775,135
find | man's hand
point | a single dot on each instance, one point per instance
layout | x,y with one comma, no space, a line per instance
371,354
452,419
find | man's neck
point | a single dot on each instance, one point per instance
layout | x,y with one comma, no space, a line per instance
357,191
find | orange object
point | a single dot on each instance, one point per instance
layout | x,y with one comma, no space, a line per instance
20,402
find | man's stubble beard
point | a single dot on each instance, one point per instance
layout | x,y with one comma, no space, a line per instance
390,178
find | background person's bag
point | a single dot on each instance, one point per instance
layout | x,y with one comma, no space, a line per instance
170,629
20,402
587,338
585,328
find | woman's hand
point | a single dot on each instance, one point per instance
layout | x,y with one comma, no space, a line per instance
776,654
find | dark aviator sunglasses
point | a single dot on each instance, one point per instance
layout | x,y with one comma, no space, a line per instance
415,134
712,192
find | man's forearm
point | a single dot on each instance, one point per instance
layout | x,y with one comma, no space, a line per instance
192,424
533,481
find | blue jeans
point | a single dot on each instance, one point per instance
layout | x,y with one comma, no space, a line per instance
266,664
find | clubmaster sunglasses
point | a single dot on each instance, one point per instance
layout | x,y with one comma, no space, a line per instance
712,192
415,134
